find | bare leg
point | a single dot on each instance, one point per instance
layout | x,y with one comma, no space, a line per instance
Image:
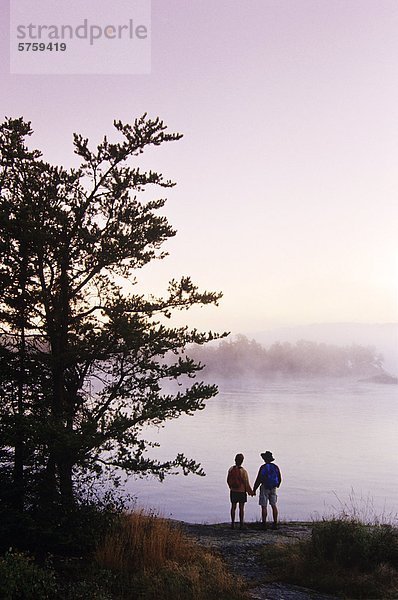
233,510
275,515
264,515
241,513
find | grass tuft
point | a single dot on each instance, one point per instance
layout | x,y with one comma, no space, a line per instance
141,542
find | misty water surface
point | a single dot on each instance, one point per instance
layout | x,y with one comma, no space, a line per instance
330,439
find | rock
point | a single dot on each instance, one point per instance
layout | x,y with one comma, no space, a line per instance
240,550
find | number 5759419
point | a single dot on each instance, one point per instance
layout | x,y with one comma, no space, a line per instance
41,46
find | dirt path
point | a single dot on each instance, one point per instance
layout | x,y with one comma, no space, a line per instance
240,549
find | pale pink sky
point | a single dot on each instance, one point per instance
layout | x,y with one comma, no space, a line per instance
287,172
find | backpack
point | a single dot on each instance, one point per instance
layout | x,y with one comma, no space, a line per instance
269,475
234,478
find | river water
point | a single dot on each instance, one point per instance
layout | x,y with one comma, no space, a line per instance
336,443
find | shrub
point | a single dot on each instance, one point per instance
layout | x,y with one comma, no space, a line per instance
17,529
21,578
75,531
343,556
85,590
350,543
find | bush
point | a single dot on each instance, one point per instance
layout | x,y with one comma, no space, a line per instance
66,532
22,579
77,531
70,537
138,557
343,556
17,530
350,543
85,590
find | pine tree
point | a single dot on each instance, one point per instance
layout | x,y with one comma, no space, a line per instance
91,354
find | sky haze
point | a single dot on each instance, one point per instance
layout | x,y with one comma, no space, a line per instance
287,172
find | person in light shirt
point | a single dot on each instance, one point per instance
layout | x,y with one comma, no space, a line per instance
239,485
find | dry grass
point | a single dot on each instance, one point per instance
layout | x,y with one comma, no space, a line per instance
142,542
152,558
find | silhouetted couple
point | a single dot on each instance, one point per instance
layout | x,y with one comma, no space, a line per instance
268,480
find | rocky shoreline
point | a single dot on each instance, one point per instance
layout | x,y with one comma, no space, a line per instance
240,550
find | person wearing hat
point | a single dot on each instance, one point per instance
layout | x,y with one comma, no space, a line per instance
268,479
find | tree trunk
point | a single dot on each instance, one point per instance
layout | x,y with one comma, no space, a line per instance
18,471
66,482
19,452
63,405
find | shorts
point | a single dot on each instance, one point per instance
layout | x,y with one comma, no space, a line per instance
238,497
267,496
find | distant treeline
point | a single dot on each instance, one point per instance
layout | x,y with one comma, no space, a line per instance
241,357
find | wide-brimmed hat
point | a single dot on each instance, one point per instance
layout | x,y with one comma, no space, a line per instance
267,456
